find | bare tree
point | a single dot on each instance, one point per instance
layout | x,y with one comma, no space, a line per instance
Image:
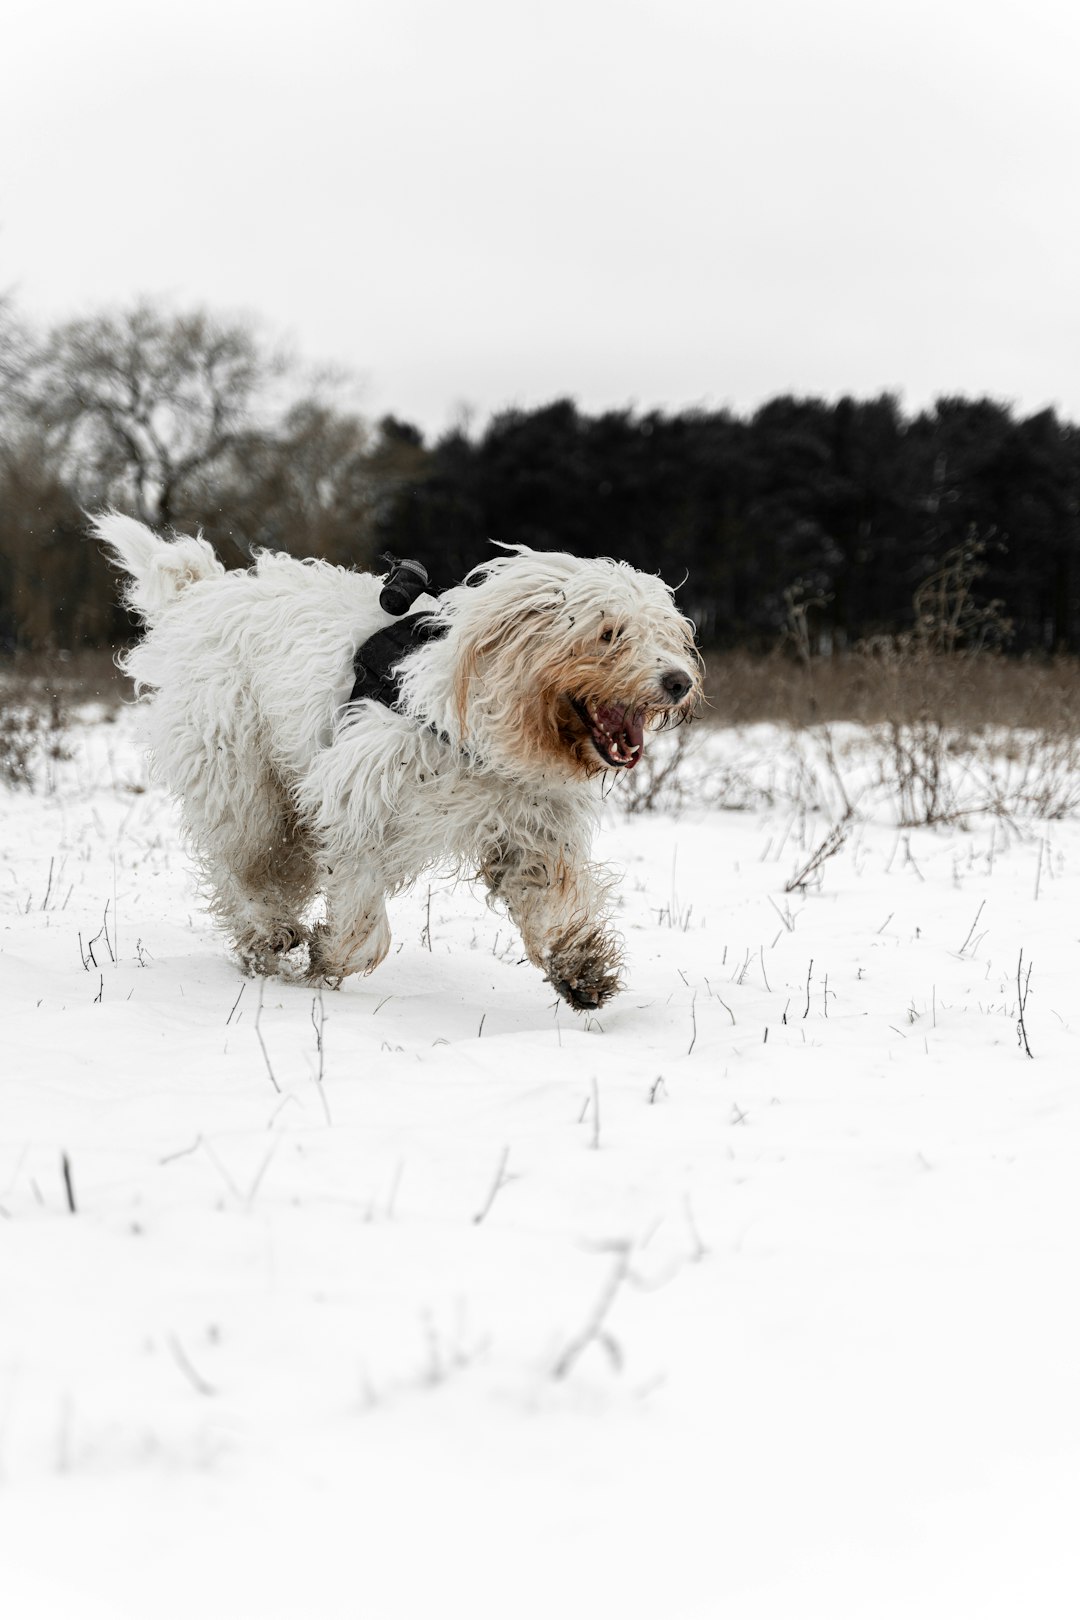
318,487
16,357
306,489
148,405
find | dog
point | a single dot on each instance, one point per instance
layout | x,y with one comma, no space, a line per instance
534,682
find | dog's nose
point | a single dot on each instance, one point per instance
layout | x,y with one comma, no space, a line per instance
676,683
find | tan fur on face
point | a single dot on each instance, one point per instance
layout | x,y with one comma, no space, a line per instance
523,674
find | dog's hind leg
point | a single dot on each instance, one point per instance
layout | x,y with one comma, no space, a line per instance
255,857
261,875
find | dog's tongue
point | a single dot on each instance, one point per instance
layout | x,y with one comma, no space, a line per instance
622,734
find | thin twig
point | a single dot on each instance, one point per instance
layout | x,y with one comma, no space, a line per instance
501,1179
700,1251
785,916
833,841
1022,994
974,925
262,1043
69,1189
194,1377
594,1326
319,1025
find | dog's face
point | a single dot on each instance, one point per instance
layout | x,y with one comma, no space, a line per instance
571,662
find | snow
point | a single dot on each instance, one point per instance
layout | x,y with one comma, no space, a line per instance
755,1296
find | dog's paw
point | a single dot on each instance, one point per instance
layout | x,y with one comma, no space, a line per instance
588,977
332,959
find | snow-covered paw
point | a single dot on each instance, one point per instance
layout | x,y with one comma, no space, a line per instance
587,975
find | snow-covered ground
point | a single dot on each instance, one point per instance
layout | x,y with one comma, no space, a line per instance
756,1297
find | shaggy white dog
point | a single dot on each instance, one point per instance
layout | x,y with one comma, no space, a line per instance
546,673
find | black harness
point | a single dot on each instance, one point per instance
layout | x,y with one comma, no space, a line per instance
377,661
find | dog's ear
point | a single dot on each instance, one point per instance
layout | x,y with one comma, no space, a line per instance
509,646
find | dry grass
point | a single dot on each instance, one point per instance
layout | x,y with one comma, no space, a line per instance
40,695
966,692
938,736
85,676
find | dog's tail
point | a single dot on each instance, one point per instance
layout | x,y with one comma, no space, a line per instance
159,569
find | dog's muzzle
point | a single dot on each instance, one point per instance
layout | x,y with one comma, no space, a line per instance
616,732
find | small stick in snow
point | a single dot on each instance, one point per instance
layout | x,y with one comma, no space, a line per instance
104,929
319,1024
182,1153
236,1003
693,1021
195,1378
501,1179
399,1171
69,1189
809,975
833,841
909,859
594,1327
971,930
785,916
699,1251
1022,994
262,1043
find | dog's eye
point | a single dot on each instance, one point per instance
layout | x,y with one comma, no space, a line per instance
607,636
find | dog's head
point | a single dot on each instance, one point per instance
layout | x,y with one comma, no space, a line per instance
559,661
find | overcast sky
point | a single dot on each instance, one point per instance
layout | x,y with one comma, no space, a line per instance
647,202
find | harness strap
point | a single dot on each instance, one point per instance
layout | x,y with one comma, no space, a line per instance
376,661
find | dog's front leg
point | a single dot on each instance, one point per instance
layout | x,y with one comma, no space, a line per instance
356,934
559,905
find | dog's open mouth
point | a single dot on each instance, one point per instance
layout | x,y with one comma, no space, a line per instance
617,733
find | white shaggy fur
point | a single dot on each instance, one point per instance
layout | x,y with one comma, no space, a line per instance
549,672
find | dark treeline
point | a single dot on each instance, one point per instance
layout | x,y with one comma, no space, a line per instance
847,505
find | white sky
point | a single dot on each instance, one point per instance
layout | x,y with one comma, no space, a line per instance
650,202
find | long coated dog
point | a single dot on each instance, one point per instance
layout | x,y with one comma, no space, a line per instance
524,688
